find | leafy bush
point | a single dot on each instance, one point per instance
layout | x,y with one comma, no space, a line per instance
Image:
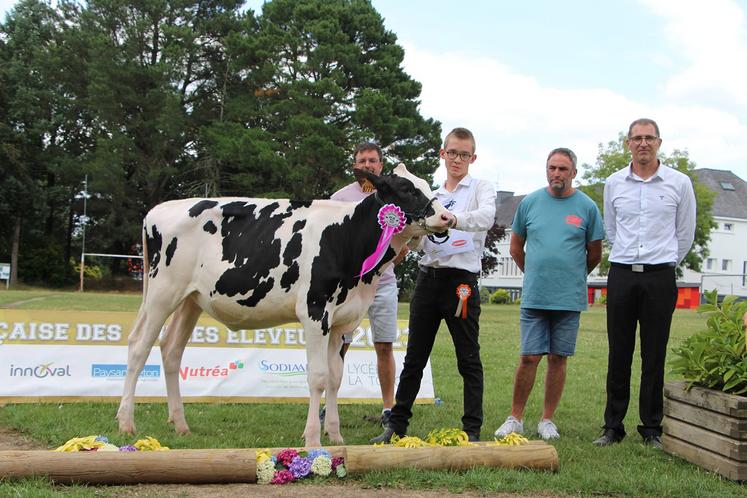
46,265
484,295
716,356
500,296
94,272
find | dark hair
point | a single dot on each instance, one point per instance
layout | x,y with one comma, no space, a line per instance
364,146
644,121
462,133
564,151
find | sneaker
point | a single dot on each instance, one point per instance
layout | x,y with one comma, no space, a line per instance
472,437
510,425
547,429
385,416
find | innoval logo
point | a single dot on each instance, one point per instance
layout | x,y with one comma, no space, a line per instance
43,371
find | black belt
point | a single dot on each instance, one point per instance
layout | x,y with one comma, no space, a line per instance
446,272
643,268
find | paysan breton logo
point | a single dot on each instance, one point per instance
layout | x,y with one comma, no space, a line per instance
215,372
119,371
42,371
282,368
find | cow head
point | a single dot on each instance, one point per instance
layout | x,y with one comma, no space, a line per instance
413,195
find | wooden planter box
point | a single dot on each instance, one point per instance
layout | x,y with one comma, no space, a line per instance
707,428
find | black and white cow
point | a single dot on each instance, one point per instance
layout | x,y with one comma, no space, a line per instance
255,263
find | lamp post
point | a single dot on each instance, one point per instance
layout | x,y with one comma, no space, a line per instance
84,220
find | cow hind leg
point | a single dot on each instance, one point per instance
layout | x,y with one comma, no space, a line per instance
334,379
148,324
172,349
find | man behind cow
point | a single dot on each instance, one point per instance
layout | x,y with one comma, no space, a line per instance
382,314
446,289
563,232
649,212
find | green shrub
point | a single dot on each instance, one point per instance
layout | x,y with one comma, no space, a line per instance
715,357
484,295
46,265
500,296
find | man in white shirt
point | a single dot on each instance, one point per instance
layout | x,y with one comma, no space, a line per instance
446,289
382,314
649,214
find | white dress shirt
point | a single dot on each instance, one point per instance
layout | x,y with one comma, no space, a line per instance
478,217
649,221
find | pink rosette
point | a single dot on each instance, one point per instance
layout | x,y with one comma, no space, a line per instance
392,221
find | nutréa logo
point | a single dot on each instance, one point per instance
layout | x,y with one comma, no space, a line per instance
210,372
42,371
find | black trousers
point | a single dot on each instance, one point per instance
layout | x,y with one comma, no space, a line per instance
435,299
648,299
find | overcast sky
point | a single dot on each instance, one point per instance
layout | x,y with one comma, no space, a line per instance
529,76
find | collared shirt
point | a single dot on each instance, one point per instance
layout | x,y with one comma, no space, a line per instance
477,217
354,193
649,221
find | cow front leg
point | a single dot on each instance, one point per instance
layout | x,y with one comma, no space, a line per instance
172,349
334,379
316,374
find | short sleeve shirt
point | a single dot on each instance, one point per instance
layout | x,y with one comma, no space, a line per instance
557,231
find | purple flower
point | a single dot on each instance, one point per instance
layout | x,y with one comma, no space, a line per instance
285,457
282,477
337,461
300,467
127,447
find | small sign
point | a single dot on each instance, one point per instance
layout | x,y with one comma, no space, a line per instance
4,271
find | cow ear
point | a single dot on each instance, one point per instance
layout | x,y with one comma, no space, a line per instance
400,170
377,181
361,174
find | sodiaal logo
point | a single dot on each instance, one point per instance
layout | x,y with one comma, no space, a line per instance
283,369
210,372
119,371
43,371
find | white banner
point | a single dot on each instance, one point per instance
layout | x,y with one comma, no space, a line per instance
69,356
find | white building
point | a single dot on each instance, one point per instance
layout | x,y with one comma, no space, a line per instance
724,269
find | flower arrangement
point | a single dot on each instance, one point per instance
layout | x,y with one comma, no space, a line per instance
450,437
101,443
290,465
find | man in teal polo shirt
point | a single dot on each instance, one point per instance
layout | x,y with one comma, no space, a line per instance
563,231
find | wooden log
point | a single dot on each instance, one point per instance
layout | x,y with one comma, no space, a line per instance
537,455
218,466
120,467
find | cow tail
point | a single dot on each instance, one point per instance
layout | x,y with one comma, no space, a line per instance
146,262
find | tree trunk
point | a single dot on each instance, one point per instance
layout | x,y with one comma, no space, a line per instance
14,252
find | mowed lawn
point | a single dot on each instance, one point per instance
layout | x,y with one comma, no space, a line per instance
626,469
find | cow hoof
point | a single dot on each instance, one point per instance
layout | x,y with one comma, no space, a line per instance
128,429
336,440
182,430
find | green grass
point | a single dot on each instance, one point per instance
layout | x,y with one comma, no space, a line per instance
626,469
